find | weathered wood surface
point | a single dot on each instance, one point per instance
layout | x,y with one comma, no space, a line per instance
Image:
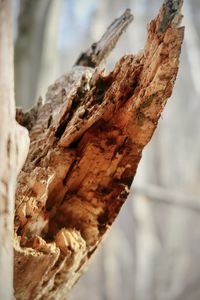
86,143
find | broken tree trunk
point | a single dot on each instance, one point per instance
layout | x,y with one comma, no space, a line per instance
86,142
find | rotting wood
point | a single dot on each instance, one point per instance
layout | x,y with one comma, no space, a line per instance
86,143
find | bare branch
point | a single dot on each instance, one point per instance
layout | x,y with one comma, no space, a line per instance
169,197
100,50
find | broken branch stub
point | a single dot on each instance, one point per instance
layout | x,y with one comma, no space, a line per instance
86,144
100,50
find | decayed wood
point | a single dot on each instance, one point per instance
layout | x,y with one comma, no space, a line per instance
12,153
86,142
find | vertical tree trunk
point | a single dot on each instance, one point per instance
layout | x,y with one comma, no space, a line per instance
14,142
7,152
28,50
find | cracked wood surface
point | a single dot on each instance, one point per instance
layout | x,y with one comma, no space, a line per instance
86,143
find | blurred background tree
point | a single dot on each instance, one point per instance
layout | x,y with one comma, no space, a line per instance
153,248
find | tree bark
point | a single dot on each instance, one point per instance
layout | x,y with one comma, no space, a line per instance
86,142
12,153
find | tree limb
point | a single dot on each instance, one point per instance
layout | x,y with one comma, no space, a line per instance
100,50
167,196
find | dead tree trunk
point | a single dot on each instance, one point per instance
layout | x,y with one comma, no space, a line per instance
86,142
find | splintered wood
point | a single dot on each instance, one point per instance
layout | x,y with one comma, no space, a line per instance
86,143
